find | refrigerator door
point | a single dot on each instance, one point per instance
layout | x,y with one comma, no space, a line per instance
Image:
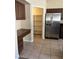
52,26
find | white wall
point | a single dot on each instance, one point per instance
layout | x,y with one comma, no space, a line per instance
54,3
39,3
16,48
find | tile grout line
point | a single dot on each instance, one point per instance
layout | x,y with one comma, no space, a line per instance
50,49
40,50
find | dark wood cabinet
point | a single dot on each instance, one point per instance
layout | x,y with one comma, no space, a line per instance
20,34
61,31
20,11
54,10
20,44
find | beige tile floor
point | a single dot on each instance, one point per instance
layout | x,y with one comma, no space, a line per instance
43,49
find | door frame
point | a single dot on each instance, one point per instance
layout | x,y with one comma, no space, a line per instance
43,22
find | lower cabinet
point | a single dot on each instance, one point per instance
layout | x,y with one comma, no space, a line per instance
21,33
20,44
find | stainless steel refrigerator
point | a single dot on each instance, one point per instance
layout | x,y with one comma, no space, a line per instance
52,25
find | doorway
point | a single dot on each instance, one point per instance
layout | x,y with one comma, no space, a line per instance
37,21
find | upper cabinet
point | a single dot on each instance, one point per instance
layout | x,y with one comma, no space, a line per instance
55,10
20,11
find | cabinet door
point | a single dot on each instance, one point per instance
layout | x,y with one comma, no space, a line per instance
20,11
20,44
17,10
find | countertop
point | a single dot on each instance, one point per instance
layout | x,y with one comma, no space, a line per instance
23,32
